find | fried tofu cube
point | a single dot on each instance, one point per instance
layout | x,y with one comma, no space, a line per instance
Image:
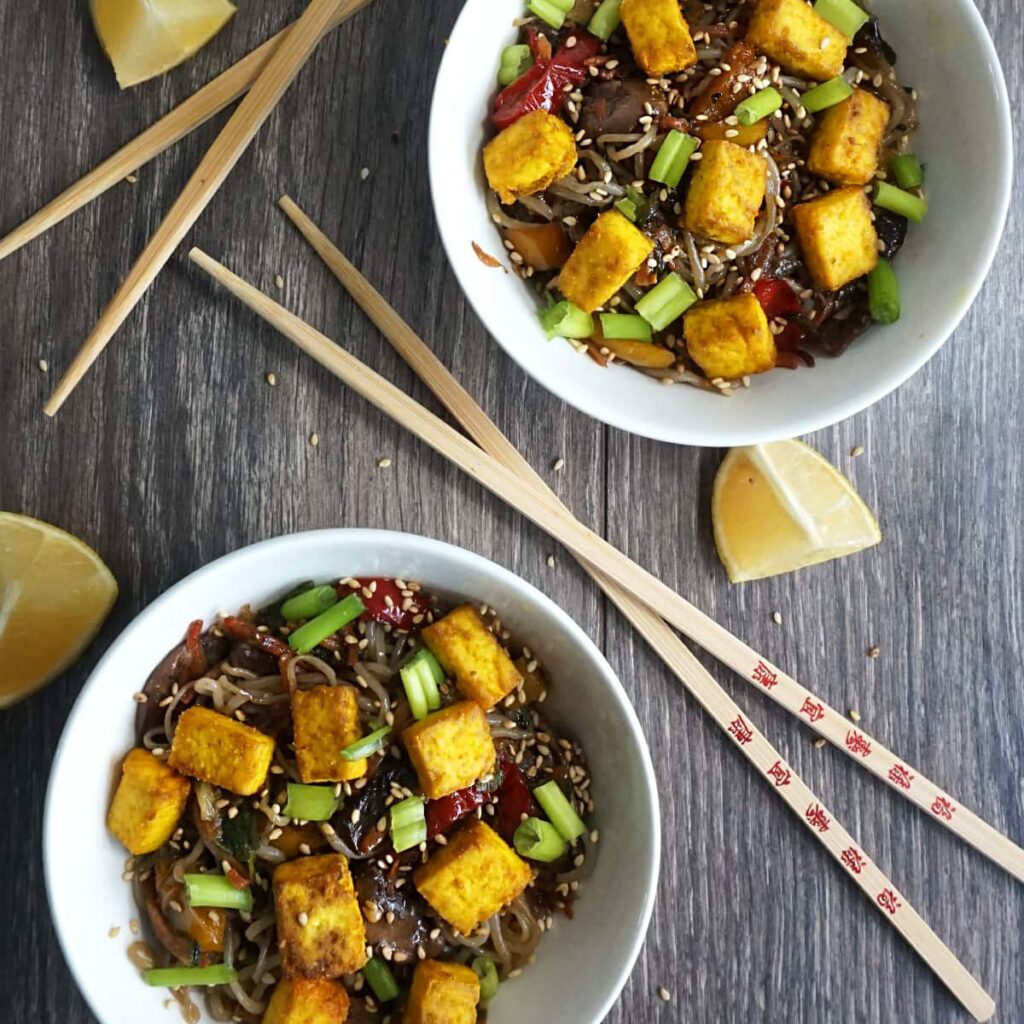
149,799
794,35
604,259
442,993
658,35
216,749
307,1001
473,877
326,720
529,155
848,139
320,928
729,338
450,749
726,192
837,236
469,651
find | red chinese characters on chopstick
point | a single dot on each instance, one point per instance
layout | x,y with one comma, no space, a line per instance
853,859
888,900
856,744
899,776
943,808
817,818
764,675
813,710
779,775
742,732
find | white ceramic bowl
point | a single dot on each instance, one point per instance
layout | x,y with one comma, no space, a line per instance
84,864
965,141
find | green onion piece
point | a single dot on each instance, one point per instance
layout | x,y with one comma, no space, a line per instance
759,106
666,301
421,677
310,803
369,744
884,293
606,20
565,320
627,326
379,977
538,840
551,11
907,171
627,208
408,823
514,61
414,694
673,155
906,204
182,977
216,891
488,975
826,95
844,14
306,637
309,604
560,811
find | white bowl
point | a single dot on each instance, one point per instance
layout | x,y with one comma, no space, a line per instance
84,864
965,141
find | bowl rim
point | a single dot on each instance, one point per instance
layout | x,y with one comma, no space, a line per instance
804,420
277,548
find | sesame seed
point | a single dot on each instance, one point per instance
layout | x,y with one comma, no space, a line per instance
271,379
777,618
558,465
139,698
354,816
854,715
874,650
364,173
278,281
824,42
44,365
664,995
114,932
303,918
819,742
133,925
570,42
551,561
384,463
856,450
314,439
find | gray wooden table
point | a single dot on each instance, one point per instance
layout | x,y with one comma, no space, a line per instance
175,451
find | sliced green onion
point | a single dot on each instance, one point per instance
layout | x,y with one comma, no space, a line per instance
421,677
310,803
826,95
488,975
306,637
552,12
538,840
415,696
759,106
183,977
560,811
906,204
309,604
369,744
907,171
606,20
666,301
844,14
627,208
673,155
408,823
627,326
514,61
216,891
379,977
632,205
565,320
884,293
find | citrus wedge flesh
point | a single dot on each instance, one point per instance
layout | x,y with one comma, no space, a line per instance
55,593
780,507
145,38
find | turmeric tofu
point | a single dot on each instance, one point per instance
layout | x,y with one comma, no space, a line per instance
729,338
149,799
658,35
450,749
326,719
794,35
604,259
307,1001
216,749
473,877
837,236
848,139
726,192
469,651
320,928
442,993
529,155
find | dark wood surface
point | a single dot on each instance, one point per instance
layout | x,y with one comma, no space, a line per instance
175,451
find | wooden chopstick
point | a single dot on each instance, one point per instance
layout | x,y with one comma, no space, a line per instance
278,73
754,745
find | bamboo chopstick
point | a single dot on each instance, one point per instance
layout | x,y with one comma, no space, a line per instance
712,697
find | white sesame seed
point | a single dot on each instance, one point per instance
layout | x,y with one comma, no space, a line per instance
314,439
364,173
777,618
551,561
558,465
271,379
384,463
302,918
44,365
278,281
854,715
856,450
664,995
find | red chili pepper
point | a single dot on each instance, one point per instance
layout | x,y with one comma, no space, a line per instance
443,813
777,298
236,878
194,646
379,608
790,337
247,631
514,798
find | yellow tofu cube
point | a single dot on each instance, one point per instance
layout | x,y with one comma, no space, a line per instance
149,800
450,749
658,35
469,651
726,192
529,155
473,877
729,338
848,139
794,35
307,1001
837,236
320,928
442,993
215,748
326,719
604,259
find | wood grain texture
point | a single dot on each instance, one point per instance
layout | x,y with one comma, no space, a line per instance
176,451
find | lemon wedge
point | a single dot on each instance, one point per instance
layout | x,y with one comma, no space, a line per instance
145,38
55,593
780,507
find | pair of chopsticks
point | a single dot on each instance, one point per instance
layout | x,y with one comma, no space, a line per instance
638,595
